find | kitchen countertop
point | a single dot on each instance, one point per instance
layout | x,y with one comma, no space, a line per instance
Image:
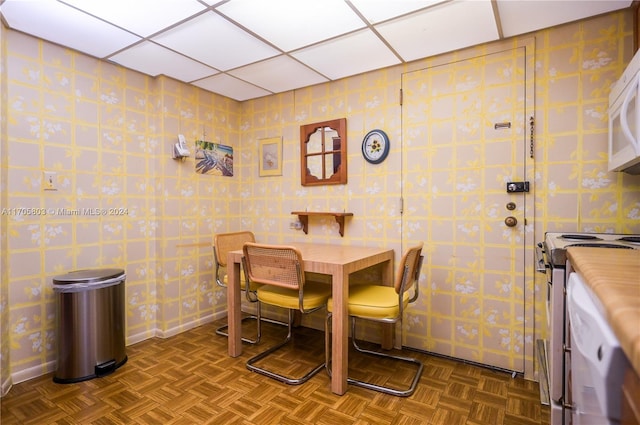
614,277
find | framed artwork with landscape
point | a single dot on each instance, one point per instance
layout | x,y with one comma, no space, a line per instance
214,158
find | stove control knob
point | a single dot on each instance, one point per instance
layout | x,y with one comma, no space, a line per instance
510,221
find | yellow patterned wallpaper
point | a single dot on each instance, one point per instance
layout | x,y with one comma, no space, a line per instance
108,131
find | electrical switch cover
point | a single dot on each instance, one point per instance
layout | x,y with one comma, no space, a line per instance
49,180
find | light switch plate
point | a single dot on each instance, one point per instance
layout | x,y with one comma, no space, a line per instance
49,180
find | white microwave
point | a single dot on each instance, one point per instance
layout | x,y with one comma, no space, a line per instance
624,120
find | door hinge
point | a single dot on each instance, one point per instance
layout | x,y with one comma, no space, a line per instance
401,95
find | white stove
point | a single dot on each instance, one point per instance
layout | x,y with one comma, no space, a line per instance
552,260
556,244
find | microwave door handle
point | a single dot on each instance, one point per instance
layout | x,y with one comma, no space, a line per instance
623,113
635,141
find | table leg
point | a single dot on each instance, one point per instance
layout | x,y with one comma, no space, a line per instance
234,308
340,334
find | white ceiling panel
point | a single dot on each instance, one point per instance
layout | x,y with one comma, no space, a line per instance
244,49
441,29
60,24
211,39
527,16
229,86
279,74
381,10
291,24
142,17
349,55
152,59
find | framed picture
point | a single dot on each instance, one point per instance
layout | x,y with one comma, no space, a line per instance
214,159
270,151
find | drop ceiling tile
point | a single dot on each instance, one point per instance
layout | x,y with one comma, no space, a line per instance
444,28
231,87
142,17
154,60
379,11
526,16
279,74
349,55
64,25
211,39
246,38
291,24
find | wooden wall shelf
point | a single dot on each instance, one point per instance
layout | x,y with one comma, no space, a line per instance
303,216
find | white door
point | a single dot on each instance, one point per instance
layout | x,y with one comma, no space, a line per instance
465,137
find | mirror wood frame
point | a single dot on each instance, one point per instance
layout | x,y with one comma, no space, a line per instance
340,174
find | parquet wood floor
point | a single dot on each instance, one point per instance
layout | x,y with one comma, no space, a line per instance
189,379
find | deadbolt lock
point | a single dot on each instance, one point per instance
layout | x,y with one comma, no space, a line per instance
511,206
513,187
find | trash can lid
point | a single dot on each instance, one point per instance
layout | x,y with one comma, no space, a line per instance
87,276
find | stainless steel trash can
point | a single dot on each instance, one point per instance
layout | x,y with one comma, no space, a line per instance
90,326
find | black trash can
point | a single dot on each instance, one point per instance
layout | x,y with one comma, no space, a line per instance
90,324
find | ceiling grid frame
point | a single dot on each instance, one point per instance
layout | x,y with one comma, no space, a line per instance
245,49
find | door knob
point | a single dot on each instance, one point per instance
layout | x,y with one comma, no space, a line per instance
510,221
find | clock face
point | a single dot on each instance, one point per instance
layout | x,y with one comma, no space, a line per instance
375,146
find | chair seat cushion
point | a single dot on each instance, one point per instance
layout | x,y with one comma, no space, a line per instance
374,301
315,295
243,285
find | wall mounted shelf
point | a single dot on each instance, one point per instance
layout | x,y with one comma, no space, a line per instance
303,216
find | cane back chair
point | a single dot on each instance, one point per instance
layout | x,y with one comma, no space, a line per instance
222,244
279,270
383,304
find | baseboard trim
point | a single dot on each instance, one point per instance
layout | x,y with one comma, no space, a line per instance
33,372
186,326
6,386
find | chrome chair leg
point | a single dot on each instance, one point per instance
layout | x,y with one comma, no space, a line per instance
327,344
222,330
386,390
279,377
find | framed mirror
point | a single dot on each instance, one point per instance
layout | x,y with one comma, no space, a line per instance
323,153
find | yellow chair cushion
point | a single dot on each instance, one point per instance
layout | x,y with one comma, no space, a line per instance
315,295
375,301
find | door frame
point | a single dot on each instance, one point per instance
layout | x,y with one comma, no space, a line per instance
533,316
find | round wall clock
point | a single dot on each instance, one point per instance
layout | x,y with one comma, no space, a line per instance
375,146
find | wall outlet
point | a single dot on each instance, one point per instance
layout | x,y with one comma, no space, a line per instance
49,181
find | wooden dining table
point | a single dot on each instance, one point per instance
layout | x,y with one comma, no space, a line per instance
338,261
